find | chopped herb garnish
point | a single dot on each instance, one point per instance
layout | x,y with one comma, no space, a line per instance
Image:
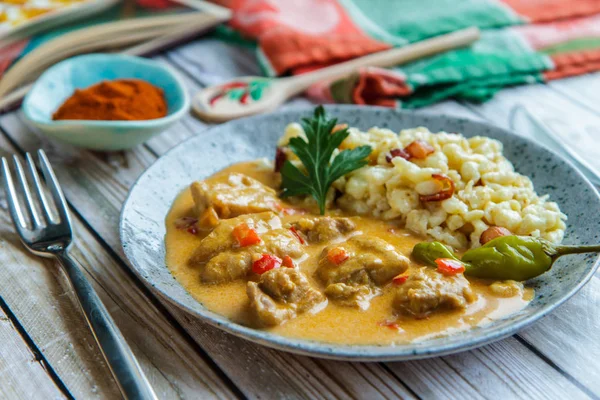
316,156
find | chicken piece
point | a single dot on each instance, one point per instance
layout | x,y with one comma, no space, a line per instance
324,229
221,258
373,255
358,296
226,267
221,238
232,195
427,290
282,242
282,294
353,270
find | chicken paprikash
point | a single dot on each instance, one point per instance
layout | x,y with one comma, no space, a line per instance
270,264
365,238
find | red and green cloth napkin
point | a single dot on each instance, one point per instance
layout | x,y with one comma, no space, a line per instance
523,41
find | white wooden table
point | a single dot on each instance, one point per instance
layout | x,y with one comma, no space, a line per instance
47,351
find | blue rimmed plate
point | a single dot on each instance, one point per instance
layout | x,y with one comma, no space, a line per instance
143,228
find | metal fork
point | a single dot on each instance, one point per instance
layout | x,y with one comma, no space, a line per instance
49,237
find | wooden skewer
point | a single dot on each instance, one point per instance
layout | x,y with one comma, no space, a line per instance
173,37
62,47
140,49
168,34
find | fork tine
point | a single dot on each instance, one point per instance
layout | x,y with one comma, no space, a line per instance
11,196
35,218
38,187
52,183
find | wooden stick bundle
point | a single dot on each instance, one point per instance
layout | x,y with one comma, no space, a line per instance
143,36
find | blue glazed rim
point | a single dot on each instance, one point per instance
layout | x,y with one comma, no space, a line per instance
362,353
172,116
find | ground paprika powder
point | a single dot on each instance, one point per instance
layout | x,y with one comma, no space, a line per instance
124,99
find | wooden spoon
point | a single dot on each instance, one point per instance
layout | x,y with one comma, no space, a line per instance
253,95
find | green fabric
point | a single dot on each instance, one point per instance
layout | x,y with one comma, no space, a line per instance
225,33
476,91
573,45
414,20
498,59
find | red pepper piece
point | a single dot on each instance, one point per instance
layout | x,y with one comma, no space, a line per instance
266,263
288,262
445,193
400,279
389,324
280,159
419,149
337,255
190,224
397,153
297,234
245,235
448,266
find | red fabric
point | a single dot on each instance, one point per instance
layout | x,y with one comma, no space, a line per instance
159,4
379,87
9,53
571,64
552,10
301,34
542,36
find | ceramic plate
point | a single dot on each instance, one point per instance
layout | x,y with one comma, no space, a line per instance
143,228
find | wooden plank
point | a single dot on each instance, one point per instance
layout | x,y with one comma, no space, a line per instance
577,126
567,337
518,373
21,374
40,297
583,90
59,329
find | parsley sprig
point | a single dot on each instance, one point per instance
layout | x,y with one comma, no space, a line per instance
316,156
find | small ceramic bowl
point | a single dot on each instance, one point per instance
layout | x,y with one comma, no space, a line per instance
60,81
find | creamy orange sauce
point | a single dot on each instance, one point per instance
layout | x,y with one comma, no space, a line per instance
334,324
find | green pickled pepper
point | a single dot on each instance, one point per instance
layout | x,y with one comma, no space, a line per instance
508,257
516,258
427,252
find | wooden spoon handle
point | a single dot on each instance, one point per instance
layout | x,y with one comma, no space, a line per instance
387,58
